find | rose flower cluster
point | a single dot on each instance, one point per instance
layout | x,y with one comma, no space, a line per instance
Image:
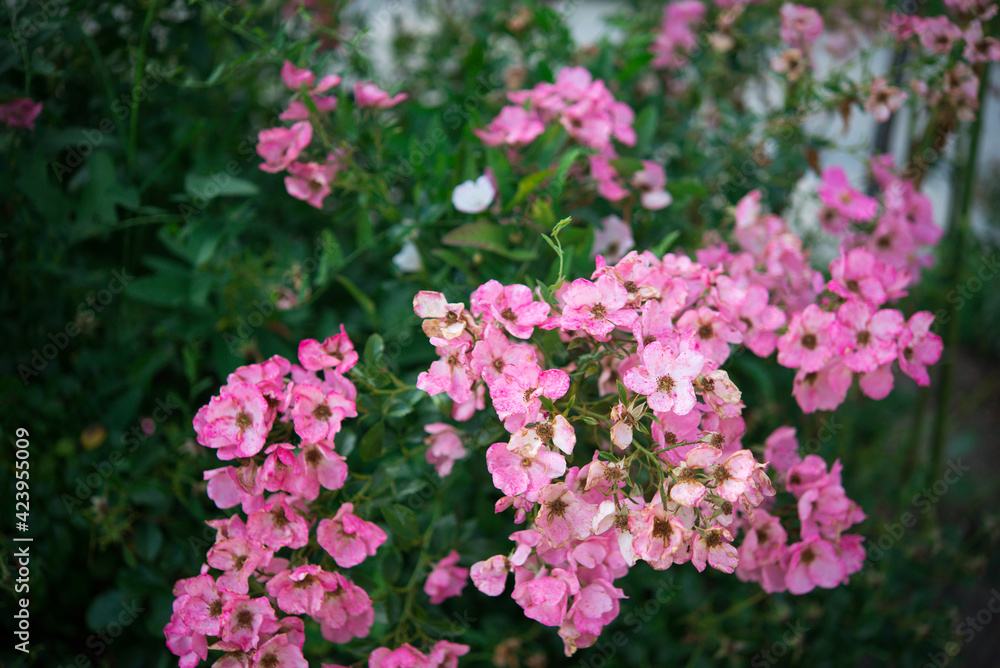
276,423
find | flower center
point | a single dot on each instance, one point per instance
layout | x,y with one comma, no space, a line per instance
809,341
665,384
244,619
864,337
243,421
705,331
557,507
662,529
908,353
215,608
322,412
598,311
853,286
508,314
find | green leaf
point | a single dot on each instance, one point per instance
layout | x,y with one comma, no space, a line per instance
219,184
365,302
164,290
372,442
665,243
105,609
374,348
485,236
148,540
687,187
527,185
402,522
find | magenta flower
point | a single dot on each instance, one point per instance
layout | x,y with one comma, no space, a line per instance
191,647
781,449
367,94
446,579
348,538
666,378
493,353
336,352
712,332
838,194
808,343
301,591
20,112
281,146
866,338
512,307
449,374
517,391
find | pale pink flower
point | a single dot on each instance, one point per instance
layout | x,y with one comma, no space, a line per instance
367,94
441,319
446,579
919,347
336,352
781,449
276,524
444,447
494,352
979,49
490,576
800,25
545,598
513,125
348,538
687,490
279,651
346,612
813,563
321,467
301,591
518,390
715,548
445,654
562,516
242,619
651,181
281,470
824,389
512,307
191,647
790,62
666,378
609,183
406,656
236,422
318,416
937,34
732,476
658,536
612,239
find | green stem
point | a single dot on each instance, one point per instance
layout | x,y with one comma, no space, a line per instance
959,225
140,71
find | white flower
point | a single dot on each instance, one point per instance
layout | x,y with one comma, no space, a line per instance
408,258
474,196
